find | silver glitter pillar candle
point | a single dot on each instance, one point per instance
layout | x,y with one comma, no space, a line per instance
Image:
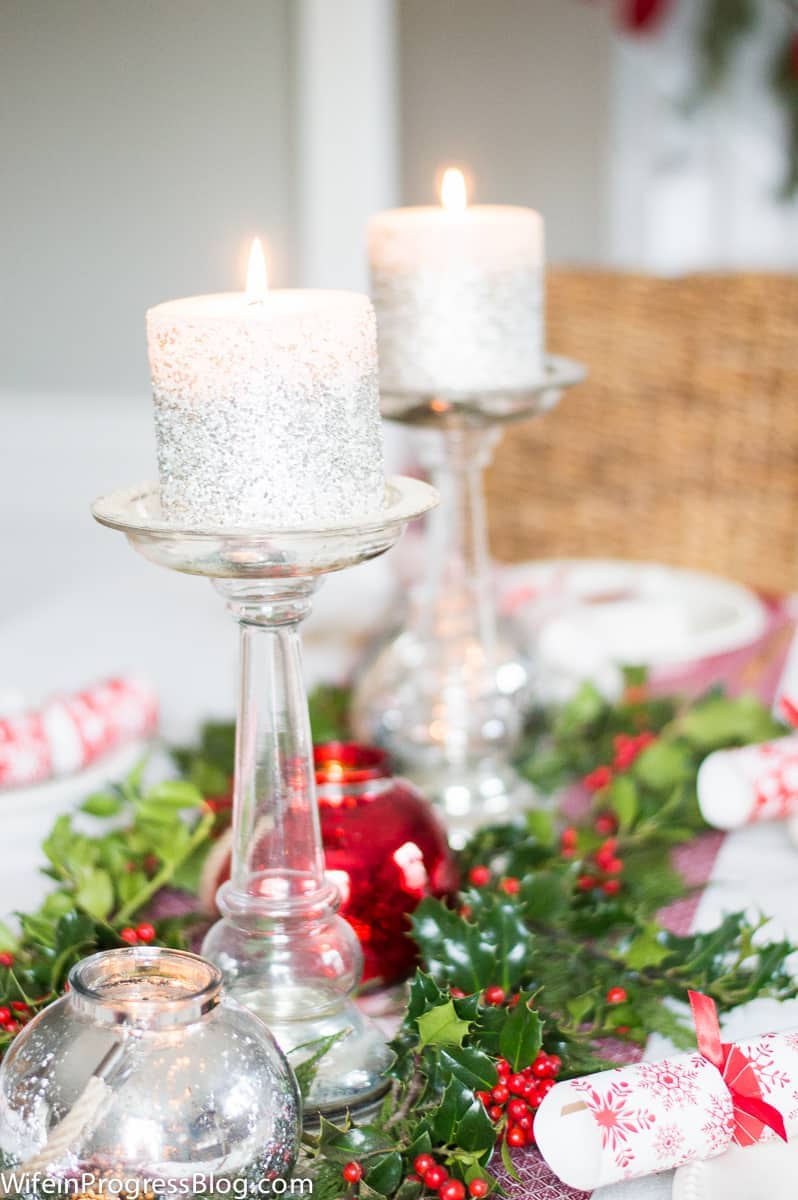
267,410
459,295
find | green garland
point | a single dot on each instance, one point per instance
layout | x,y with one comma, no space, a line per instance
553,947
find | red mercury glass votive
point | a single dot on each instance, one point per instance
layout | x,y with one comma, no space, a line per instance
385,851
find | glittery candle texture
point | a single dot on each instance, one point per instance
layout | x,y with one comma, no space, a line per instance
267,414
459,298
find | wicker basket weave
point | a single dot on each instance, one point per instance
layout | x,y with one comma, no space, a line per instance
683,444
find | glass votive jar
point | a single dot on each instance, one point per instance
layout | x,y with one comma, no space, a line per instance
385,849
145,1073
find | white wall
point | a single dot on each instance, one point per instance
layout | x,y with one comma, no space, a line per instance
143,142
345,122
519,91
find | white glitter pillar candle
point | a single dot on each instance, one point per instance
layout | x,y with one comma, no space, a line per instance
459,295
267,408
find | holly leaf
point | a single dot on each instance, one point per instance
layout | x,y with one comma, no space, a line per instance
662,765
544,896
472,1067
424,994
461,1120
522,1035
95,893
719,720
103,804
579,1007
467,953
648,949
623,800
508,1163
384,1173
172,794
349,1141
540,825
441,1026
453,949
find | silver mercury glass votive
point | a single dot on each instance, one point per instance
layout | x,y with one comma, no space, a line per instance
145,1076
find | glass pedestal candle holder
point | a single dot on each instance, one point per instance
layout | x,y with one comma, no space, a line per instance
445,693
283,949
144,1075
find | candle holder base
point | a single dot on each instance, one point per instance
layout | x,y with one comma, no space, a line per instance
258,956
284,951
446,695
488,792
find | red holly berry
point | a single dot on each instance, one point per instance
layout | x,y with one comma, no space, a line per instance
145,933
517,1108
6,959
11,1026
606,823
586,883
516,1083
495,1112
436,1176
617,995
352,1172
130,936
21,1008
422,1164
638,16
453,1189
457,993
5,1015
479,876
544,1087
622,1028
478,1188
555,1062
495,995
569,838
500,1094
613,866
484,1097
503,1067
511,885
611,887
598,779
516,1136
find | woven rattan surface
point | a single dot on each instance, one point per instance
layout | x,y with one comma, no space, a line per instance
683,444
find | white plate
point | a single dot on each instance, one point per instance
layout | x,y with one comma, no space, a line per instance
642,613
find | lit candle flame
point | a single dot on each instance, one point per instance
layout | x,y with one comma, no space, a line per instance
257,279
453,190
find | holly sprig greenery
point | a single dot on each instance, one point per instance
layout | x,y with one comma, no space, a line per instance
551,955
143,840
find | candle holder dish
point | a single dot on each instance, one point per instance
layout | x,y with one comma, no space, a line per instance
445,693
284,951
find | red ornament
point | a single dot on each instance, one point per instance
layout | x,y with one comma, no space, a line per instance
385,851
